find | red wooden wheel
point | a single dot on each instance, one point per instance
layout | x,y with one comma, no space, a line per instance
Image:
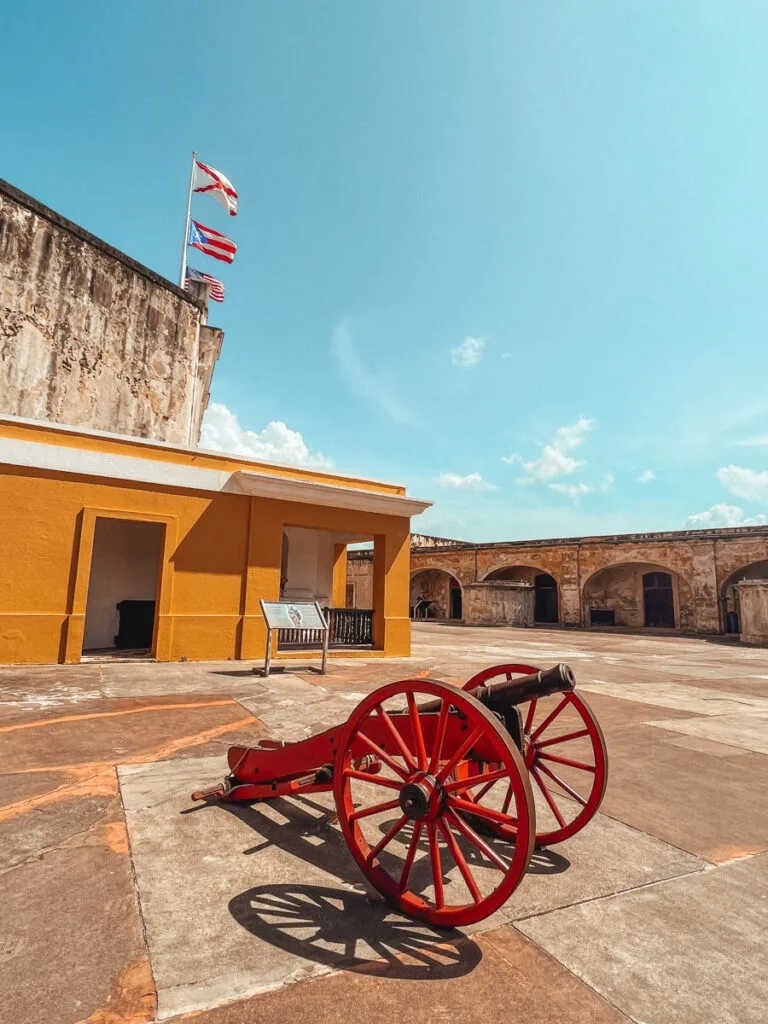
564,751
405,825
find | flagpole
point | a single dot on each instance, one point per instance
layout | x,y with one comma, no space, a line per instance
183,273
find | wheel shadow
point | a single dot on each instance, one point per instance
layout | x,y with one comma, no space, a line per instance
347,928
350,931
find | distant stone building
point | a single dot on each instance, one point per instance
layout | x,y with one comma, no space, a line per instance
685,581
91,338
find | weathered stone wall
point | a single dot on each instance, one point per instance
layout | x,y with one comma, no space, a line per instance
89,337
607,571
753,603
360,572
498,604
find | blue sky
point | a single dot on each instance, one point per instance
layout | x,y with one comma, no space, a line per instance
510,254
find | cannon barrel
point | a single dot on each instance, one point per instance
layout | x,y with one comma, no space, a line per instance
506,692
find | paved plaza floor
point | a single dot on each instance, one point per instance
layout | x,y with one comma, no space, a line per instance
122,902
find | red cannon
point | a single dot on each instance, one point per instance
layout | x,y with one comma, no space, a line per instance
426,776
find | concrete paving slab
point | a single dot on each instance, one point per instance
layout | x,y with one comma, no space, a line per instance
274,890
691,950
500,977
747,729
696,699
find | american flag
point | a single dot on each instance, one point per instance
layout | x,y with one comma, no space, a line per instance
217,287
211,242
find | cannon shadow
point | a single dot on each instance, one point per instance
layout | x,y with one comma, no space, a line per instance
350,927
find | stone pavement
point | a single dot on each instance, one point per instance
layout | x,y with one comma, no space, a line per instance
121,902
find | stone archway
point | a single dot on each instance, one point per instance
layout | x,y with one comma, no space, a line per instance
729,595
436,594
546,606
637,595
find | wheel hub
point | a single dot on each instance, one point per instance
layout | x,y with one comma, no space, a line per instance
421,797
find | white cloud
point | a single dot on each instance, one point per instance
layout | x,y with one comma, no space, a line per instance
468,353
723,515
470,482
646,476
364,381
553,461
607,482
574,491
506,355
222,432
755,442
750,484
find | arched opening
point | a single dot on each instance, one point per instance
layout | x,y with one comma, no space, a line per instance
546,597
637,595
435,594
730,595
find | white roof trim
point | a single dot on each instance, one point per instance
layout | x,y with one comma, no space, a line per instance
64,459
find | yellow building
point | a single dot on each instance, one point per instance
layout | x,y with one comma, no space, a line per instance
89,520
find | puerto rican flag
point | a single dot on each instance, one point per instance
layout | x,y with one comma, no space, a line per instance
211,242
217,286
217,185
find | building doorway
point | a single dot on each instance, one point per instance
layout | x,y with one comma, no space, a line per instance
120,613
658,600
545,598
456,608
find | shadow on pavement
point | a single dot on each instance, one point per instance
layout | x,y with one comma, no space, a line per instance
351,931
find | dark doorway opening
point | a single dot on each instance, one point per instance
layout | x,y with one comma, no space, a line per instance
659,600
456,609
120,612
545,598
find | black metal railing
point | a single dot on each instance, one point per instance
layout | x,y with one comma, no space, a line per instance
349,627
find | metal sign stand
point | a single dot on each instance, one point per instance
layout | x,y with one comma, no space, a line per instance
293,615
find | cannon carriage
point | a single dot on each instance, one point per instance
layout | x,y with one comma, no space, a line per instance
427,778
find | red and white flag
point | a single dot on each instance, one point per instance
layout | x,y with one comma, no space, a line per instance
217,286
211,242
217,185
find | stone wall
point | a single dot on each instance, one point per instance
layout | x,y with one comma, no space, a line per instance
753,603
360,573
498,604
90,338
607,572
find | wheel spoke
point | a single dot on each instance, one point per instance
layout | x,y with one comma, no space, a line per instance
387,838
529,716
481,812
437,870
549,798
564,760
466,829
507,799
474,780
374,809
562,739
442,725
563,785
418,735
376,780
383,755
399,741
483,791
414,845
458,856
459,754
549,719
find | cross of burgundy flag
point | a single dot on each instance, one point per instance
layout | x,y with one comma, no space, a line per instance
217,286
217,185
211,242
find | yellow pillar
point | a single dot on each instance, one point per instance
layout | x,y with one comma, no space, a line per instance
391,579
262,579
339,586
